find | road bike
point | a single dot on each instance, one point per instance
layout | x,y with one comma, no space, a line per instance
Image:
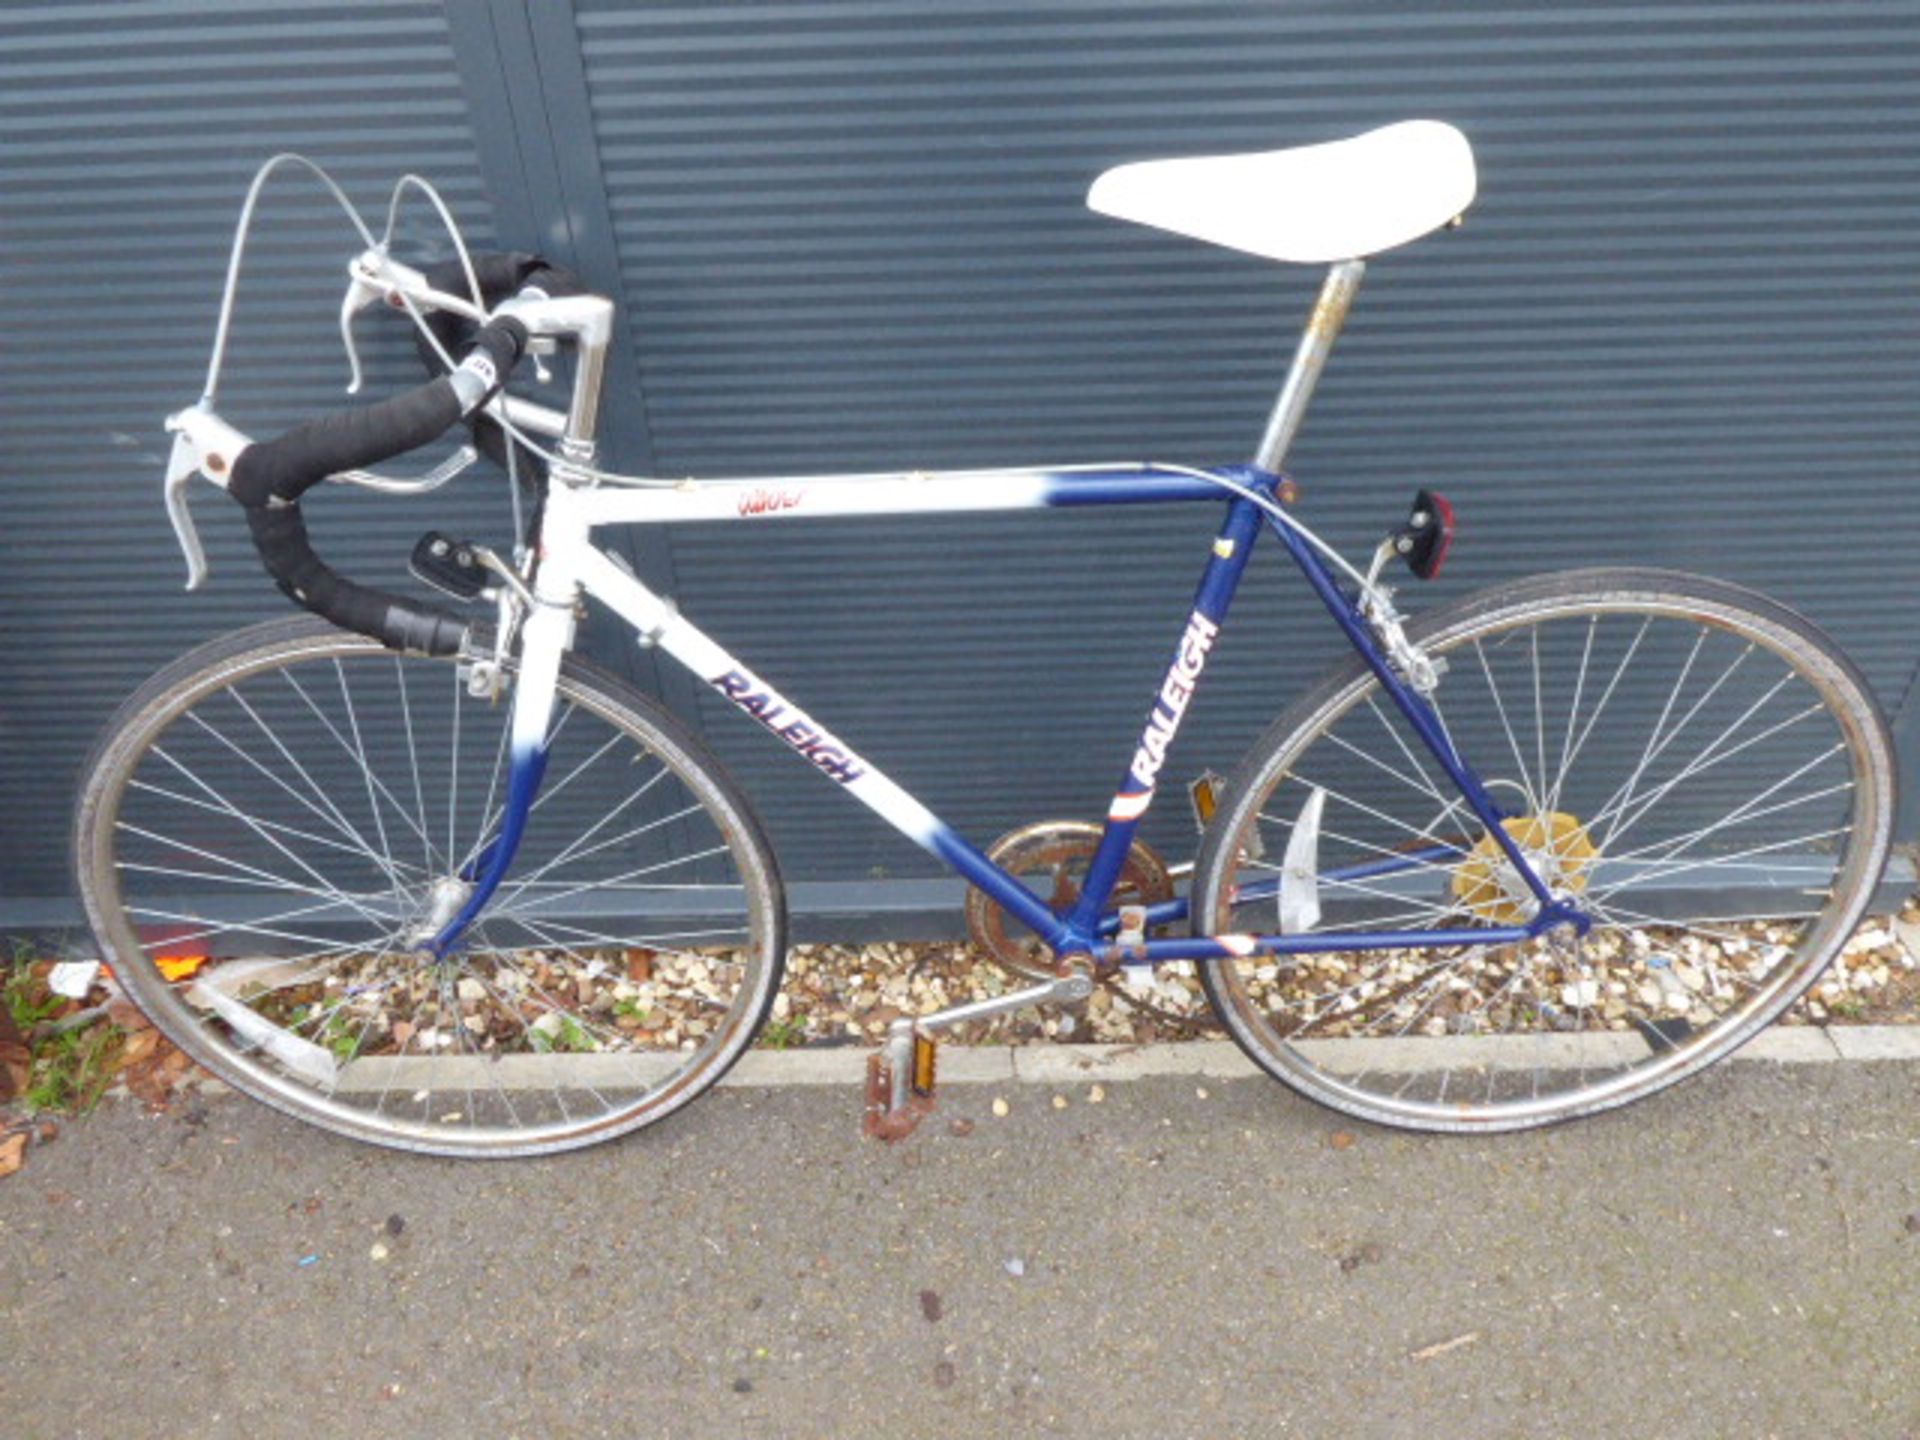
422,875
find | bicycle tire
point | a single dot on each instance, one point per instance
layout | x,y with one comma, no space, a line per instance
269,766
1675,975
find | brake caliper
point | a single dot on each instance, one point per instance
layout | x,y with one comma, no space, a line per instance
1422,542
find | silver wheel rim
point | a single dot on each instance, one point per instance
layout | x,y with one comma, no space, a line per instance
1609,1063
553,1028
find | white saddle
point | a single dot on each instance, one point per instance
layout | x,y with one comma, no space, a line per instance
1311,204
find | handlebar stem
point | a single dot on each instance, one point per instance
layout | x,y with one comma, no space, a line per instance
588,321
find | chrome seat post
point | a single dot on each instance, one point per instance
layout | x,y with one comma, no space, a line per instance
1316,343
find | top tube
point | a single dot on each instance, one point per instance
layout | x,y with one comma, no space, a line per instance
908,493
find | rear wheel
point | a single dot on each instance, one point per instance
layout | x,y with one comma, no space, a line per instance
1696,767
273,826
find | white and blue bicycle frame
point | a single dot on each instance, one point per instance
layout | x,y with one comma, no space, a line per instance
570,565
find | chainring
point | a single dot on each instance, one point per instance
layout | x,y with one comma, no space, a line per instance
1056,853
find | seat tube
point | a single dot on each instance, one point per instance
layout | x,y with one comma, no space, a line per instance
1231,550
1309,359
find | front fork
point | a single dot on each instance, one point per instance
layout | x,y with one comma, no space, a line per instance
544,637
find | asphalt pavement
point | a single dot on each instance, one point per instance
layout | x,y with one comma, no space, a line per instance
1190,1256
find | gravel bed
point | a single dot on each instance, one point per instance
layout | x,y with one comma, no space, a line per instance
848,995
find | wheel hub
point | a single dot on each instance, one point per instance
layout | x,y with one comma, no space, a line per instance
444,899
1555,844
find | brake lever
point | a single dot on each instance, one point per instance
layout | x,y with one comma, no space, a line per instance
362,290
203,444
375,275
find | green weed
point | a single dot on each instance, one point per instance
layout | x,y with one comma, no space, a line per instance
68,1071
785,1034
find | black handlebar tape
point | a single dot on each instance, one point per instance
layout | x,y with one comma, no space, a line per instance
280,535
270,477
501,274
286,467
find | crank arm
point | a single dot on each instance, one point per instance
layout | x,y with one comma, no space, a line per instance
900,1075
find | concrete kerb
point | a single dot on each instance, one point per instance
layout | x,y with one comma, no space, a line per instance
1217,1059
1222,1060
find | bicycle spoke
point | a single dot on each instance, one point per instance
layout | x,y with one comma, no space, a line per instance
1622,798
293,832
1613,684
1573,714
413,763
374,784
1725,861
1741,815
366,770
492,814
615,881
1700,765
1381,765
1393,734
332,813
1687,778
262,926
257,829
1526,781
573,851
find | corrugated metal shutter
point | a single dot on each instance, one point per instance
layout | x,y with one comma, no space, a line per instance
1678,328
131,131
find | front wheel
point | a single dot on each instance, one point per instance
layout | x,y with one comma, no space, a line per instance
274,825
1694,766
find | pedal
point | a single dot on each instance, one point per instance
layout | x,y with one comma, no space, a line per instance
448,565
900,1080
926,1064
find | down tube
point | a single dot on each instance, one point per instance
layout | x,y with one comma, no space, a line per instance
1231,549
809,739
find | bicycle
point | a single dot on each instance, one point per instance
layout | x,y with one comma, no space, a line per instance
565,922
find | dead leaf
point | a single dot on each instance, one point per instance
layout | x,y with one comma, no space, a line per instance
16,1057
138,1047
178,967
154,1079
639,965
127,1015
1341,1139
13,1152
